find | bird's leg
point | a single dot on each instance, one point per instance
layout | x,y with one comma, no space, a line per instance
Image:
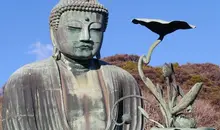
161,37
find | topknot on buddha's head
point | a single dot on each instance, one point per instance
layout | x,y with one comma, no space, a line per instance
76,5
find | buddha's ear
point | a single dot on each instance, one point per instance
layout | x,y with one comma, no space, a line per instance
98,55
53,36
56,52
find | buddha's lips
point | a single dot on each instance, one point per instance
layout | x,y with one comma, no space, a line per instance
85,46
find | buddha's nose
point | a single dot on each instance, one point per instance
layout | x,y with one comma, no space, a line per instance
85,36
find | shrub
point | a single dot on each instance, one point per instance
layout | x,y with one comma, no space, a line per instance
206,115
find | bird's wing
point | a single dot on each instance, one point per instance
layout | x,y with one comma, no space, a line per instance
137,20
181,25
155,25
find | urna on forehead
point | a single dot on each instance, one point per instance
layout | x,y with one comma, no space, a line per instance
63,6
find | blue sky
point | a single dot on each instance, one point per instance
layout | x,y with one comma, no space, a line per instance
25,34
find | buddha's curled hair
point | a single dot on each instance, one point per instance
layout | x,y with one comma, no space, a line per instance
76,5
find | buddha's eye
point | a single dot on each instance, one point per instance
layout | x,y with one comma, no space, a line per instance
96,27
74,28
74,25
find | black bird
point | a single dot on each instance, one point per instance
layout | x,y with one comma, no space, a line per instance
161,27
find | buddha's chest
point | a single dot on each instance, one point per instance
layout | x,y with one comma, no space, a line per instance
85,103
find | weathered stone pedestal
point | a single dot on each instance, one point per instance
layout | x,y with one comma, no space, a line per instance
202,128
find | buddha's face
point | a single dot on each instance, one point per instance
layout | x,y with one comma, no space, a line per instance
80,34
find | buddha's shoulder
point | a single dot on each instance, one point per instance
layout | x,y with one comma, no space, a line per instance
35,67
29,74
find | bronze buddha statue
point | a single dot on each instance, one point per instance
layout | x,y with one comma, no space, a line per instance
72,90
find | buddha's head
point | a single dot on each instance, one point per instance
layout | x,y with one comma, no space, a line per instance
77,28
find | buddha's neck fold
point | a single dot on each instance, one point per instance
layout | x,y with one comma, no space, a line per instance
77,67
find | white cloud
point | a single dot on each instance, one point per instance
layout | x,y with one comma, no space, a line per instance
41,51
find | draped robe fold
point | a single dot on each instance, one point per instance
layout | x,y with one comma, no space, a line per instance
36,97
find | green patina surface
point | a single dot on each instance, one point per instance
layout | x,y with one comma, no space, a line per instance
73,90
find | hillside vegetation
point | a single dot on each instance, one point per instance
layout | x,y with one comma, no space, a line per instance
207,106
